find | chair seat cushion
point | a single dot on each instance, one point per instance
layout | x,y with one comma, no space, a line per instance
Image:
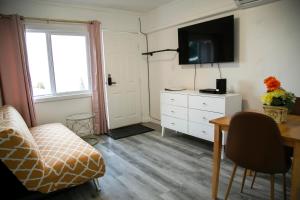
68,159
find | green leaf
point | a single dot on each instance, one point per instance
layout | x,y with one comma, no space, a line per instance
277,101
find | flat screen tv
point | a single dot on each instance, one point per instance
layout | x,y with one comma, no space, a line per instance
207,42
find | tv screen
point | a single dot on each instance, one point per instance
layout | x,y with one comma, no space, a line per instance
208,42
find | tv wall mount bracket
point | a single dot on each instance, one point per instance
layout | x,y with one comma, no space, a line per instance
158,51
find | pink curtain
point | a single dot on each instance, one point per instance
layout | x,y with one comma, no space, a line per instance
98,97
14,72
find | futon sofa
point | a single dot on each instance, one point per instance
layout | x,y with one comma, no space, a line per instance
46,158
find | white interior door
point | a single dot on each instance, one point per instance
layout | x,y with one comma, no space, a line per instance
122,63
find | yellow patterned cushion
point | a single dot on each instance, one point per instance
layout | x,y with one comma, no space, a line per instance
48,157
18,150
69,160
11,119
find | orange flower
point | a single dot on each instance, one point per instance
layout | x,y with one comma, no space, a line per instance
269,79
272,83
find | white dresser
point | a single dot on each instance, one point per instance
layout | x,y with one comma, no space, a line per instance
189,112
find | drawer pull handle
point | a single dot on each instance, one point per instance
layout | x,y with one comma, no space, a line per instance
172,99
172,123
203,131
203,103
204,118
172,111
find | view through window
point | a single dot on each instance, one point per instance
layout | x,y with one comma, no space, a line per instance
58,63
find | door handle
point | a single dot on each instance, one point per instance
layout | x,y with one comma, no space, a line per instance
109,80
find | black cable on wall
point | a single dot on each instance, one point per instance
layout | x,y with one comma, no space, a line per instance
220,74
195,76
148,73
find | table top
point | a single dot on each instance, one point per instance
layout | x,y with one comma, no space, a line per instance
80,116
289,130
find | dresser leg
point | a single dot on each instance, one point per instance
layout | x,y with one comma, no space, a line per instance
162,131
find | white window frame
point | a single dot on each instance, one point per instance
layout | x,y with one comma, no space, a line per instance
54,96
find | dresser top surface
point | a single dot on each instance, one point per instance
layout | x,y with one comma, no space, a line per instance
197,93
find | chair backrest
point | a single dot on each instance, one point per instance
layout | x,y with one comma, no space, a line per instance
19,151
296,107
254,142
10,118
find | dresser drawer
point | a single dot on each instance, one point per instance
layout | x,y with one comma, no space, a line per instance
174,111
174,99
207,103
174,123
201,116
201,131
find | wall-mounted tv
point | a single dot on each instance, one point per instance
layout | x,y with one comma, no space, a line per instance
207,42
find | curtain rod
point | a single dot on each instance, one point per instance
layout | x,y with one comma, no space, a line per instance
4,16
62,20
57,20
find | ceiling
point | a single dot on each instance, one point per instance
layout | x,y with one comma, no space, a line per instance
129,5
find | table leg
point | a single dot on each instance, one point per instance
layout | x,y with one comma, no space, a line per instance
295,188
216,161
223,153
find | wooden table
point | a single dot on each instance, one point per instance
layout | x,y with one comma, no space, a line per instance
290,132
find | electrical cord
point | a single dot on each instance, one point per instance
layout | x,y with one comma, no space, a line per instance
148,73
220,74
195,75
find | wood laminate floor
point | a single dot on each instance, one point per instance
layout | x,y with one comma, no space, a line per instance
174,167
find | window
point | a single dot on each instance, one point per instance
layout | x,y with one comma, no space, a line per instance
58,63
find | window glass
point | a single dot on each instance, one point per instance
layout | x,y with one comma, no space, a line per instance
38,63
58,63
70,63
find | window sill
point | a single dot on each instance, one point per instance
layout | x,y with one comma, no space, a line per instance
43,99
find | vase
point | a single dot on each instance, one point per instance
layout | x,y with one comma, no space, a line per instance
278,113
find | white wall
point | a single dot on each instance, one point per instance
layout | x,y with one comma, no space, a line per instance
56,111
113,20
179,12
267,43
